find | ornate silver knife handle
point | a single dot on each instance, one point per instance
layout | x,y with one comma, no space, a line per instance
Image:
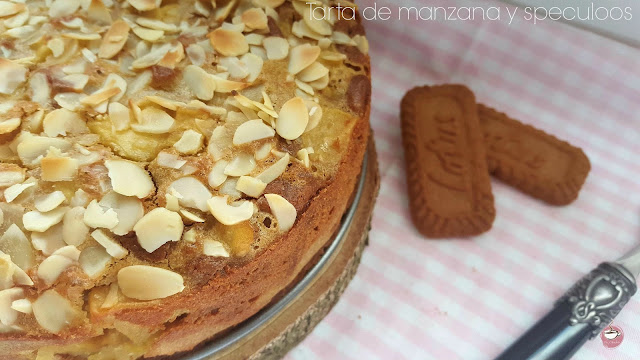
598,297
579,315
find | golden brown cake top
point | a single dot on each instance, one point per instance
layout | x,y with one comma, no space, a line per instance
137,136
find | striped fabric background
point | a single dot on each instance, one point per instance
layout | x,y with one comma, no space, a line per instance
414,298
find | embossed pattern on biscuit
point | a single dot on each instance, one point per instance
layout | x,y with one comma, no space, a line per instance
449,186
531,160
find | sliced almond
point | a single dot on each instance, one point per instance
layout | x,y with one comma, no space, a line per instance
100,96
321,83
52,311
145,5
8,316
11,174
11,274
313,72
120,116
62,8
254,65
282,209
228,42
49,241
158,227
217,176
293,119
37,221
156,24
142,282
277,48
149,35
22,306
12,192
303,156
214,248
154,121
96,216
229,214
15,244
53,266
275,170
57,46
63,122
170,160
268,3
8,8
199,82
173,203
242,164
76,81
189,143
50,201
255,19
70,101
129,179
129,211
315,115
110,245
315,23
98,12
94,260
114,40
58,168
12,75
263,151
252,130
191,216
227,86
74,229
251,186
302,56
196,54
112,297
193,193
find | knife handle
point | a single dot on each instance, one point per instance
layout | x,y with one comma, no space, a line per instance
581,314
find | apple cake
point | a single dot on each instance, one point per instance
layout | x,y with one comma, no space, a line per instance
168,167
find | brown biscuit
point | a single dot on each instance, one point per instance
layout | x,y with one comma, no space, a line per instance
449,186
531,160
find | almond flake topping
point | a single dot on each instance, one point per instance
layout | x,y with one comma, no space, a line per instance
154,121
114,40
110,245
50,201
250,186
275,170
94,260
255,19
158,227
228,42
277,48
56,167
293,119
74,229
149,35
282,209
302,56
12,75
252,130
214,248
193,193
229,214
129,179
144,5
52,267
37,221
127,208
15,244
8,8
201,83
143,282
53,311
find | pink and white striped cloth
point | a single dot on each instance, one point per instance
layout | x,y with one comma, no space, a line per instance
415,298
